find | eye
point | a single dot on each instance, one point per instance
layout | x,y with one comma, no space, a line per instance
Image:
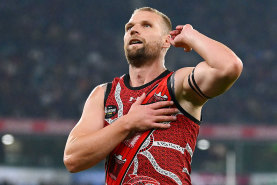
128,28
147,26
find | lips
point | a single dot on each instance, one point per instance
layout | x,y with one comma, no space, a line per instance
135,41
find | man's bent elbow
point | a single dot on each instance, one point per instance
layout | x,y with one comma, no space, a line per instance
234,68
74,164
70,164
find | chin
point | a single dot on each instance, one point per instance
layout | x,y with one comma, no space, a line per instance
135,48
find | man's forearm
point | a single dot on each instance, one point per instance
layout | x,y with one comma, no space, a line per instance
216,54
85,151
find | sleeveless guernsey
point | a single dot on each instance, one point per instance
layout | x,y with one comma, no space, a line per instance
158,157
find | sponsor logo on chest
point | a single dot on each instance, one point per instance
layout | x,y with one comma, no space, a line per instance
110,111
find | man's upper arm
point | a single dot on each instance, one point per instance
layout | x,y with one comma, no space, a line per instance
203,82
92,118
210,82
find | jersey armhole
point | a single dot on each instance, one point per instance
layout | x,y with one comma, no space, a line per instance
171,89
107,92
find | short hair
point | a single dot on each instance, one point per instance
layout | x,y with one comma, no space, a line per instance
165,18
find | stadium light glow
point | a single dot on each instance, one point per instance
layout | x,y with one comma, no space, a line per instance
203,144
7,139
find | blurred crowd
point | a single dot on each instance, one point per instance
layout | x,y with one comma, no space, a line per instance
53,53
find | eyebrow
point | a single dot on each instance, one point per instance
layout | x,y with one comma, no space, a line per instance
128,24
146,22
142,22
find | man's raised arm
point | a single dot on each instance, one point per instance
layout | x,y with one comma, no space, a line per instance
218,72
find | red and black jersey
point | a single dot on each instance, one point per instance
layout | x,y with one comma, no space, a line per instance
161,156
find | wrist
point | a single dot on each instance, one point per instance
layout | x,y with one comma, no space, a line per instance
125,124
190,36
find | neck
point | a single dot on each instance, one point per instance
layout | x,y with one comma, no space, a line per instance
145,73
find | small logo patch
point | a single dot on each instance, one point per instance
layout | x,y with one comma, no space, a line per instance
141,180
132,100
110,111
160,97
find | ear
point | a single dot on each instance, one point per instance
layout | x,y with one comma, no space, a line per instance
166,43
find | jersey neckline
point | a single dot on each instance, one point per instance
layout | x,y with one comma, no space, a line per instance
126,79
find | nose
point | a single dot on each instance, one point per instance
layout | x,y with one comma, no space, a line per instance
134,30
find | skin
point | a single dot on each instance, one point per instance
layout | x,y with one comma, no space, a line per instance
215,75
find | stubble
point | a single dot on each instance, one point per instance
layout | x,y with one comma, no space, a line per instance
139,56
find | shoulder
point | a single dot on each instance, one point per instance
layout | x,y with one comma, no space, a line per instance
98,90
180,77
98,93
183,72
183,90
94,103
92,117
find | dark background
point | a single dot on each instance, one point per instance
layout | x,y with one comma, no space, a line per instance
54,52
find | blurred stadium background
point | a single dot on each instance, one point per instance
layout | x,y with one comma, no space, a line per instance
53,53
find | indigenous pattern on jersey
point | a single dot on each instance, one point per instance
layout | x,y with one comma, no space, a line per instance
158,157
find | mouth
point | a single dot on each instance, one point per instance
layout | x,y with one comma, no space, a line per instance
135,42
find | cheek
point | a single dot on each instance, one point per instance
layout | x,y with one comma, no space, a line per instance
125,38
155,39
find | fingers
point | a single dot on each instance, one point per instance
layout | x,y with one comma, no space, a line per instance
140,99
161,104
174,32
161,119
181,27
160,126
166,111
163,122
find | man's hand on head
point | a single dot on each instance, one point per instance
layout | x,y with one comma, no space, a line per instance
180,37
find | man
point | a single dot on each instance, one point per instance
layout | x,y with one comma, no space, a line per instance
146,123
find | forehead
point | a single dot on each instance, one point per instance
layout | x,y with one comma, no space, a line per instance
145,16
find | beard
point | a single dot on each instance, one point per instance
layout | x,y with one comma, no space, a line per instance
139,56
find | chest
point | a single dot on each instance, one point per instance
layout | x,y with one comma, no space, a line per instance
121,98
